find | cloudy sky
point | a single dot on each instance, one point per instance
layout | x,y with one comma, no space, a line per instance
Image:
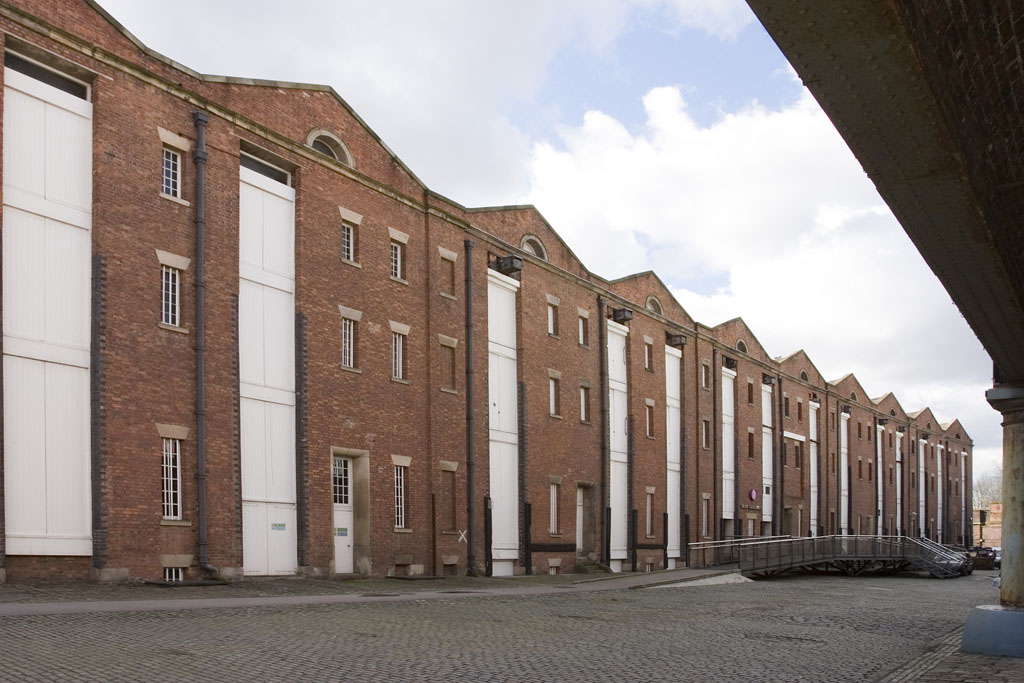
664,134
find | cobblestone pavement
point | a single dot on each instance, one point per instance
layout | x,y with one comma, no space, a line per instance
796,628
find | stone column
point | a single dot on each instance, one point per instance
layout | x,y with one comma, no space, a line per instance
997,629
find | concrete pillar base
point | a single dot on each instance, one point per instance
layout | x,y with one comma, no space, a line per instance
995,630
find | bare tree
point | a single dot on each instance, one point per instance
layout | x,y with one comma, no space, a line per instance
988,489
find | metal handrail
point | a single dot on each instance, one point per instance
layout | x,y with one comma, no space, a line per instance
740,540
781,554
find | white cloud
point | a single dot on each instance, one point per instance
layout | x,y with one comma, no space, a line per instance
773,210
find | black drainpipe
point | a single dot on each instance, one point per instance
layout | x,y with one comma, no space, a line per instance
602,342
199,157
470,421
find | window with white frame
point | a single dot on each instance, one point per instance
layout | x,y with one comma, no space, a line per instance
705,434
170,295
648,356
649,419
584,404
348,241
584,332
339,480
397,355
397,260
554,407
171,180
554,491
553,320
171,479
650,514
705,376
401,497
705,527
348,343
174,574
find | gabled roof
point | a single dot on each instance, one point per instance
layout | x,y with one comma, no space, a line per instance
732,331
798,362
639,286
922,418
513,223
256,83
888,403
849,384
955,430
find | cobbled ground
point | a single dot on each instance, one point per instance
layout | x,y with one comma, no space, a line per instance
794,628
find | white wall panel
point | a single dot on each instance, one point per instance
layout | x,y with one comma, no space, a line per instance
278,339
46,314
25,446
844,474
618,418
673,455
728,456
266,246
503,419
24,274
67,451
672,501
256,538
618,500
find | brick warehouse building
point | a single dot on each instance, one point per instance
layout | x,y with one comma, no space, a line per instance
240,336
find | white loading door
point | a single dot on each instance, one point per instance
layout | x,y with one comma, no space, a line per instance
618,466
341,471
266,352
47,256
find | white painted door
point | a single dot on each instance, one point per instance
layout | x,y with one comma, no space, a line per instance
728,455
618,495
341,471
47,256
673,360
503,422
266,351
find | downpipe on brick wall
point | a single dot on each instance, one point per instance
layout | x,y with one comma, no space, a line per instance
200,156
471,569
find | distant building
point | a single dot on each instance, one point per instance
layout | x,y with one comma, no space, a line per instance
990,533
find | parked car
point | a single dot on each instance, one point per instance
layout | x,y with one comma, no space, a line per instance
984,558
998,557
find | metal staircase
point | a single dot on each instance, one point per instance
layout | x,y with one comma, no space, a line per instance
852,555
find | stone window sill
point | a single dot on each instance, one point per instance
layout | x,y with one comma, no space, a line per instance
173,328
348,369
176,200
354,264
175,522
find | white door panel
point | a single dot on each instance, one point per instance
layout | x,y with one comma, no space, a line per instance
279,339
250,333
281,456
255,538
618,497
47,257
281,548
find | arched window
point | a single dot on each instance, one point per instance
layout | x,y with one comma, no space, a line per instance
531,244
741,346
803,375
893,412
853,396
929,425
330,145
654,305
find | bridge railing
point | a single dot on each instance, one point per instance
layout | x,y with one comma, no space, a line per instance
712,553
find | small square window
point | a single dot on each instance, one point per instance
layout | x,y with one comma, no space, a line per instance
171,182
553,320
171,296
397,260
348,241
174,574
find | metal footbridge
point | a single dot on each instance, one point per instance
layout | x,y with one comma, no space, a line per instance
852,555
